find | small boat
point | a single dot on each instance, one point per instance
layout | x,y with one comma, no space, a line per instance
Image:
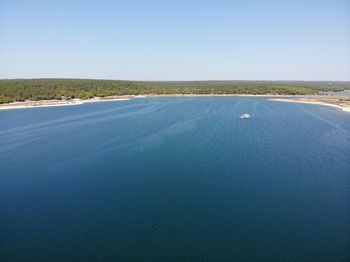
245,116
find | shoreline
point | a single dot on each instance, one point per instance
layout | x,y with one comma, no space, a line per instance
342,103
73,102
56,103
323,101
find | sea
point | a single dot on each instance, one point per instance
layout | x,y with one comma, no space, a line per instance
175,179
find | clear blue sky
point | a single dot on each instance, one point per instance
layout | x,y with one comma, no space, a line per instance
176,40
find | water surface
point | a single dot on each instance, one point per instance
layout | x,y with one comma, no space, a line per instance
175,179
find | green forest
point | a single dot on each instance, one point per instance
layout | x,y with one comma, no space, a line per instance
47,89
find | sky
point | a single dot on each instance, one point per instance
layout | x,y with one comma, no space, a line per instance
176,40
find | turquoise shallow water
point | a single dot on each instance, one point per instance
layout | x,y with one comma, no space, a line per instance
175,179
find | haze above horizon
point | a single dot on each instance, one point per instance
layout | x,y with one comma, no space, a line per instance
182,40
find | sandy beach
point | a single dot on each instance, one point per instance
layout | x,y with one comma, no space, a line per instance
52,103
342,103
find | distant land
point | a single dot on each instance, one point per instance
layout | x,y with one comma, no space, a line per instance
27,93
67,89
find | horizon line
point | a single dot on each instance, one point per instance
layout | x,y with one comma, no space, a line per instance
206,80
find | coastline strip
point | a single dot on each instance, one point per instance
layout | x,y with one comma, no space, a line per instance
72,102
55,103
316,100
345,107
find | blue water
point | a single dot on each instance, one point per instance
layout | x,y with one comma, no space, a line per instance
175,179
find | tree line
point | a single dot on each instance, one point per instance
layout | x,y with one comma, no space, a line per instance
48,89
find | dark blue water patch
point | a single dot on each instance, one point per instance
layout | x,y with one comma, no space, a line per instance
169,179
